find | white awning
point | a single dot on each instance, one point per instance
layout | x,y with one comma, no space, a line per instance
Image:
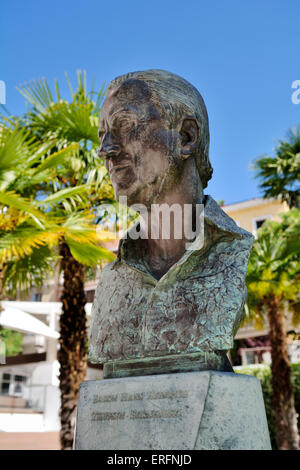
41,308
16,319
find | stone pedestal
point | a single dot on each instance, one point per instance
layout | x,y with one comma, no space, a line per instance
185,411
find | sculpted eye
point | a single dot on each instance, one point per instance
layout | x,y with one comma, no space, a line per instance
125,126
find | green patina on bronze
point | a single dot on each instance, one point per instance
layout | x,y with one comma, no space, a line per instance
168,364
196,306
159,303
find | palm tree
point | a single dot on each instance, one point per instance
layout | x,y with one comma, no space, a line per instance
36,228
273,280
280,175
25,255
72,123
25,259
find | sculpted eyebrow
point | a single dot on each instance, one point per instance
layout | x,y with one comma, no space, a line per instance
127,114
123,114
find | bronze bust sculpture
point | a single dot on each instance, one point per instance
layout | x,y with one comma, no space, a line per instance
167,308
160,307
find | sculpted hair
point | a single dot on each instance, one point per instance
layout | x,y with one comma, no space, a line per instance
177,99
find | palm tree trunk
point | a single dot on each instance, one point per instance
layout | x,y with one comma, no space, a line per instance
2,276
285,415
294,200
72,354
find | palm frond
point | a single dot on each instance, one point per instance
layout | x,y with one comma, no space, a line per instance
24,238
57,158
73,121
15,147
12,199
274,264
279,176
64,194
88,254
29,271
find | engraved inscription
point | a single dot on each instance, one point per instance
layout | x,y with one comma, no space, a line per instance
169,395
140,396
131,396
138,414
107,416
155,414
105,398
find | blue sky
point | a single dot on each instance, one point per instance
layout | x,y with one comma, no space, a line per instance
242,56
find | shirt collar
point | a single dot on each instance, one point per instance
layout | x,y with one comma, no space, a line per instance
217,225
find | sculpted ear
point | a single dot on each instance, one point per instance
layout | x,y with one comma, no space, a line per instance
190,134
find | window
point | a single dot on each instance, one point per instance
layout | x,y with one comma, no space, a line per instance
90,294
258,222
20,378
13,385
256,355
37,297
5,384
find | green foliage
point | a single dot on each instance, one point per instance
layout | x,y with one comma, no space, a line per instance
90,273
22,222
65,122
81,184
73,120
220,202
263,374
87,253
29,271
280,175
51,182
274,266
295,372
274,273
12,340
50,197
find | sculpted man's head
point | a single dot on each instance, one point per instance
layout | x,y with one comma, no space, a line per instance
154,132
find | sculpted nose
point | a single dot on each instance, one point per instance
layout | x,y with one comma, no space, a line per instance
108,148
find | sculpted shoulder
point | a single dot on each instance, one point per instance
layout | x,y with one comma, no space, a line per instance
216,216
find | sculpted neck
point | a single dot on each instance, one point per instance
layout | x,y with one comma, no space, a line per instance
166,249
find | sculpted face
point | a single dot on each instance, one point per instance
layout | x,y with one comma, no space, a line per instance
141,154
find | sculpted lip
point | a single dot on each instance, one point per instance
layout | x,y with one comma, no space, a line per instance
118,163
120,172
116,169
